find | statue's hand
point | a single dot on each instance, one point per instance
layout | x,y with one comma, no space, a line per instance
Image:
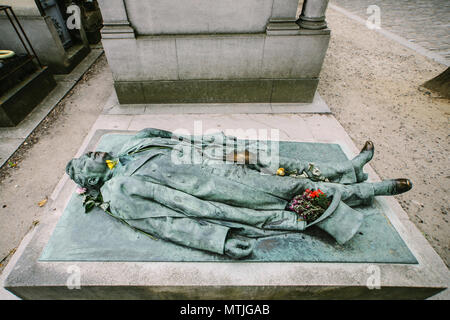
238,247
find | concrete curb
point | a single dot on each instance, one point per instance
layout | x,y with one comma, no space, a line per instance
318,106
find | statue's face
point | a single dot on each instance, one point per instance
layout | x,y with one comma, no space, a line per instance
92,166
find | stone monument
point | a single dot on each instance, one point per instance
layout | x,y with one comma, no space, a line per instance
215,51
118,260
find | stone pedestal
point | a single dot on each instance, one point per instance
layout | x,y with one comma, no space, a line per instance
17,102
218,51
396,264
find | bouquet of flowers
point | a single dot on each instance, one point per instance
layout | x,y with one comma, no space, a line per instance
310,205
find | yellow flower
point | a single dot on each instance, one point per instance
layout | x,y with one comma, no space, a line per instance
281,172
111,164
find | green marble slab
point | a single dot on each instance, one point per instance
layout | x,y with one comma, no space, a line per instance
99,237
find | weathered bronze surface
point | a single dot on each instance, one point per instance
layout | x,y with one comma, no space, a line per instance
180,189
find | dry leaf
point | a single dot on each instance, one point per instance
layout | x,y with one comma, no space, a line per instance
12,164
42,203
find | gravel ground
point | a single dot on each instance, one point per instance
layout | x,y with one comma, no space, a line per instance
41,162
371,84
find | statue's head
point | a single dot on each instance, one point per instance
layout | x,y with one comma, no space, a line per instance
90,171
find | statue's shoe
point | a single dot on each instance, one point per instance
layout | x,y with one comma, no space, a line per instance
361,159
369,149
392,187
402,185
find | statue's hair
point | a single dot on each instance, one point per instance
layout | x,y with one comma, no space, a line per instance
70,170
80,179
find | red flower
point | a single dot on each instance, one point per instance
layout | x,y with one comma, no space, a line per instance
313,194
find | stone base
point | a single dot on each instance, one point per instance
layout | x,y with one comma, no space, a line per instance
217,292
20,100
113,106
279,66
440,84
217,91
29,278
73,57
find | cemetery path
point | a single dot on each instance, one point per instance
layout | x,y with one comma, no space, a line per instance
371,84
424,22
41,163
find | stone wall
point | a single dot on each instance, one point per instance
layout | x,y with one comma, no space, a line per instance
200,16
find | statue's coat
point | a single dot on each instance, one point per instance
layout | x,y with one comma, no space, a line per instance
197,205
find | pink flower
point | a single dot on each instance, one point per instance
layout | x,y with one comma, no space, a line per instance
81,190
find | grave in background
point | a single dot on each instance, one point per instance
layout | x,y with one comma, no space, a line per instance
216,51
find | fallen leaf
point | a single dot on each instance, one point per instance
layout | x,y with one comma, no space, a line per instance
42,203
12,164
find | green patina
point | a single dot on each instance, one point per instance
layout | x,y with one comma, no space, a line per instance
101,237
